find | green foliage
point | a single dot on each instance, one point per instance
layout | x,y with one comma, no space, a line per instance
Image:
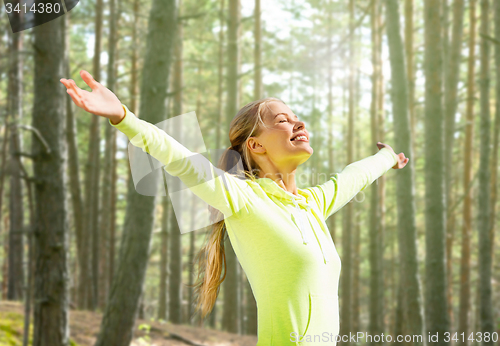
146,338
11,330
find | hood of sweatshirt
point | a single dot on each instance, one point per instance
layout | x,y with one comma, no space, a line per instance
303,210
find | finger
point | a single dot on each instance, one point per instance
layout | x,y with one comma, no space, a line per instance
76,99
76,94
91,82
65,82
403,164
71,85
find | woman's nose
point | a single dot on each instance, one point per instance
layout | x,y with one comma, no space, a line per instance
300,125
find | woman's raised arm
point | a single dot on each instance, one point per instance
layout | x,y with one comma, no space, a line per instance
342,187
216,187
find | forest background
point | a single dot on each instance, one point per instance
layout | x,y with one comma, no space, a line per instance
418,247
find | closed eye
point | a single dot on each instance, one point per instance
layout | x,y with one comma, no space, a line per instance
283,120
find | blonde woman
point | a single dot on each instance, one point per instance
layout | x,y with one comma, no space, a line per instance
277,229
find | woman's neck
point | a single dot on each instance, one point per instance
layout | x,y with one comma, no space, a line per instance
284,178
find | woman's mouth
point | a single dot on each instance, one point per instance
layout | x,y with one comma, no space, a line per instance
301,138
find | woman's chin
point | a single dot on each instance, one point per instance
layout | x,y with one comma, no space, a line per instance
301,153
309,149
308,153
304,145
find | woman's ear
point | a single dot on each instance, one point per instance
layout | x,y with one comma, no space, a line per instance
255,146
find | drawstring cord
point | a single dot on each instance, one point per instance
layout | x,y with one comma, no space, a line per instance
272,188
302,228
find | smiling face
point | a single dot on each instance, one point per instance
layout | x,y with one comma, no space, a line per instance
283,141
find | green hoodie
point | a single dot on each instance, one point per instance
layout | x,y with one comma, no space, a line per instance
281,240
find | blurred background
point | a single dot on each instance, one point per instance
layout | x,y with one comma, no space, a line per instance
86,260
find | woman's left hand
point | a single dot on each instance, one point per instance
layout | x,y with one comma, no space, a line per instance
402,160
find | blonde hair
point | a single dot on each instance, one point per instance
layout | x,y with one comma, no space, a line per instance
211,259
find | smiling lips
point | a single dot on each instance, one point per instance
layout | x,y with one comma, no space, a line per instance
301,136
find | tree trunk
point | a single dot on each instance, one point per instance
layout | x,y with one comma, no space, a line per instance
114,175
51,232
408,42
163,300
231,285
220,68
192,239
486,323
112,231
347,230
435,261
452,71
356,237
380,119
134,84
5,268
465,291
94,163
405,185
496,131
376,304
257,52
400,307
213,317
175,279
16,210
346,274
28,298
107,183
331,220
445,47
75,189
29,288
355,274
212,320
118,320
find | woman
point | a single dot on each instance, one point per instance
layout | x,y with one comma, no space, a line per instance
277,230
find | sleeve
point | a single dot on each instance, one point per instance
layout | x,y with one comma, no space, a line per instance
216,187
342,187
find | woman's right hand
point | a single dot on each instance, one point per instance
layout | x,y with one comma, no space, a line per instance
402,159
100,101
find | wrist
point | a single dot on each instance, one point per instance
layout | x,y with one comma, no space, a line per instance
392,154
118,119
